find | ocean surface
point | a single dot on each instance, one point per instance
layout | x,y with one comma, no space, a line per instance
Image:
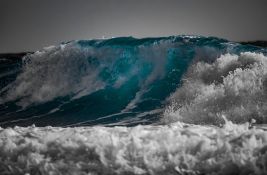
167,105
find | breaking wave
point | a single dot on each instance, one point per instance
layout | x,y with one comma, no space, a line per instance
128,81
170,105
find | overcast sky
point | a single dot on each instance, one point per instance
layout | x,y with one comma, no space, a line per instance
29,25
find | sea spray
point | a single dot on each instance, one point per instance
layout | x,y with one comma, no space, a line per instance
233,85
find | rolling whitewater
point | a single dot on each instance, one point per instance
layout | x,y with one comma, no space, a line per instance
167,105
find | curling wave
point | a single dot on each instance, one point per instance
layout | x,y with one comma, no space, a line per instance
128,81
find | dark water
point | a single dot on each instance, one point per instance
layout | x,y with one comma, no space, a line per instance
128,81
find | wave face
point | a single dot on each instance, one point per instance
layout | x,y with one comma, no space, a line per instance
128,81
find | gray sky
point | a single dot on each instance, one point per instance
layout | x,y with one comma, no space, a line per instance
29,25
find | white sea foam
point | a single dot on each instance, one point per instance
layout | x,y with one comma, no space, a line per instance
234,86
54,72
174,149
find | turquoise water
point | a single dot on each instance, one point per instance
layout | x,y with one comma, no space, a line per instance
118,81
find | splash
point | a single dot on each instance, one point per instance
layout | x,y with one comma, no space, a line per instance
233,85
